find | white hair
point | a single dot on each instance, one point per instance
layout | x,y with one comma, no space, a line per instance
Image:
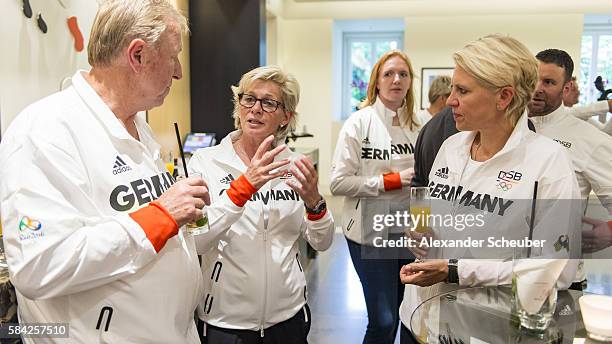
118,22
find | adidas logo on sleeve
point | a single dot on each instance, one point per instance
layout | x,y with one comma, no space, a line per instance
120,166
227,179
442,172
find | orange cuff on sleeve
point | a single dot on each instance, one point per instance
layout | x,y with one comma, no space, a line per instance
392,181
157,223
316,217
240,191
610,225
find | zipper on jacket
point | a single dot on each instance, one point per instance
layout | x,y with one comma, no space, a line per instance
265,256
297,259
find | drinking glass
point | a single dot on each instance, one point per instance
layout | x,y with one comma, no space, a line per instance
534,291
420,208
169,161
201,225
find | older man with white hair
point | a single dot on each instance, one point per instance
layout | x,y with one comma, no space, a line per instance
91,216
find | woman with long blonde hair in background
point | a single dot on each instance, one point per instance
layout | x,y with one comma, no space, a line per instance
372,167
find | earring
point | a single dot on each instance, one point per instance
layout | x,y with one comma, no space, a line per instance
498,107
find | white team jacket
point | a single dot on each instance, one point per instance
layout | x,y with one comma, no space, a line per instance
253,277
70,175
501,189
590,150
363,153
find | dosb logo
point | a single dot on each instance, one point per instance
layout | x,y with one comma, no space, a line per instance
510,176
507,179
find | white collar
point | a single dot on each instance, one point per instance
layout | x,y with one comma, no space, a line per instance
384,112
552,117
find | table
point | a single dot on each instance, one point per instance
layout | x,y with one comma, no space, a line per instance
483,315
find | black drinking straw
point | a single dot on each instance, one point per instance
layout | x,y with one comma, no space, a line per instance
533,206
180,144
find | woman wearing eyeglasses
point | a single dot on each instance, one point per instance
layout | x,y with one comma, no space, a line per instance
372,167
254,282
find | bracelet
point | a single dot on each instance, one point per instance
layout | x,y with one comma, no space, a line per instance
453,275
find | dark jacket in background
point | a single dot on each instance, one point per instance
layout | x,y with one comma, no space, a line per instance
430,139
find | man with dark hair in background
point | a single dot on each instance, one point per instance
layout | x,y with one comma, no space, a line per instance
589,148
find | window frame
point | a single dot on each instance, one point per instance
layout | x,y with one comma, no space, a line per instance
595,31
370,37
340,92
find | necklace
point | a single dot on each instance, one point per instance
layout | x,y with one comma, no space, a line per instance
477,147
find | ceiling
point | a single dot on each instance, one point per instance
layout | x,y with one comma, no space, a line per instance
304,9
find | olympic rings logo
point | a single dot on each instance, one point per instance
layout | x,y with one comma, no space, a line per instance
504,186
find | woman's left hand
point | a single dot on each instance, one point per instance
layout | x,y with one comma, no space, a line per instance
425,273
307,180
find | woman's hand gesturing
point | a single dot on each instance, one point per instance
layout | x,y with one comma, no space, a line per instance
259,172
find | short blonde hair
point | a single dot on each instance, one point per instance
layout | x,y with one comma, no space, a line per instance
440,87
497,61
119,21
290,94
406,117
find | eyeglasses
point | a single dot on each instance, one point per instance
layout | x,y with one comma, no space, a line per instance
268,105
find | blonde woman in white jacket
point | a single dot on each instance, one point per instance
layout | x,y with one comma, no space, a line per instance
372,167
254,284
494,158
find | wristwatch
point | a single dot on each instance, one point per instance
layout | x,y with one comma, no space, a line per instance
318,208
453,275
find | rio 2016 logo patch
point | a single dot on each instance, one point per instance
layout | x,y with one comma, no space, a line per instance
28,223
30,229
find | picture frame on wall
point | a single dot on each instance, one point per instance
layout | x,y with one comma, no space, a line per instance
428,74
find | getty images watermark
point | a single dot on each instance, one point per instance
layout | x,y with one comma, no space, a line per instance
422,222
423,219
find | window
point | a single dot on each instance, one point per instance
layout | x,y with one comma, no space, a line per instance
595,60
358,44
360,52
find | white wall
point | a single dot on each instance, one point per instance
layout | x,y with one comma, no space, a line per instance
32,64
430,41
304,48
350,9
